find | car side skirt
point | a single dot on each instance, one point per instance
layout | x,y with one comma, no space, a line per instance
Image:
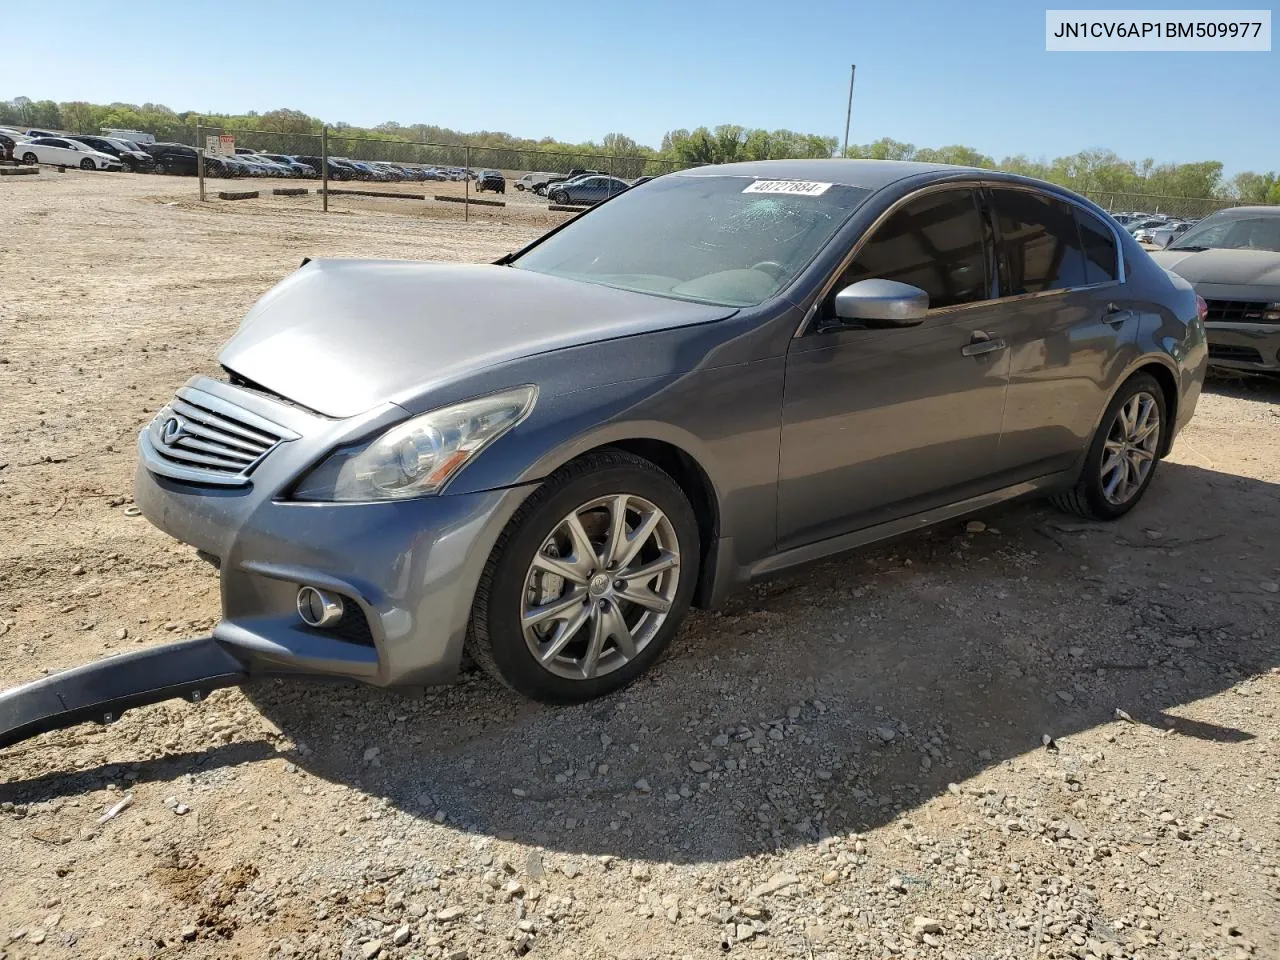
822,549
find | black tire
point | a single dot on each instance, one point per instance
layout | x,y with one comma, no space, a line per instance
495,639
86,164
559,197
161,167
1087,498
30,158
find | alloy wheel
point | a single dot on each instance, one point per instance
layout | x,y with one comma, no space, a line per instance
600,587
1130,448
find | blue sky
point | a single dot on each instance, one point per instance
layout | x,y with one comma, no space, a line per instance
931,73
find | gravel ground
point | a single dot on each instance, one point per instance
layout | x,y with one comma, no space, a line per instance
1018,736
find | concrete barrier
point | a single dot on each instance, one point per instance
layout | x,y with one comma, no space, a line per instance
386,194
18,171
290,191
237,194
566,208
481,203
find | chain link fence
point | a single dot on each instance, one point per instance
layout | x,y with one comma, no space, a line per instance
381,174
448,175
1191,207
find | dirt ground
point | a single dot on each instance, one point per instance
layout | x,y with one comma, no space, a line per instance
1040,738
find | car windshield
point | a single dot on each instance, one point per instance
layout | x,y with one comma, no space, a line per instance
1252,233
732,241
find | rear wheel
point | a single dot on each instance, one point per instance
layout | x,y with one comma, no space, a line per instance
589,581
1123,455
29,157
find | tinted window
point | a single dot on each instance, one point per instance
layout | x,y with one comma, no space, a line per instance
936,243
1099,248
1040,244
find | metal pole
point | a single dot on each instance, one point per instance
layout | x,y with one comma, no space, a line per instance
324,168
466,187
848,114
200,156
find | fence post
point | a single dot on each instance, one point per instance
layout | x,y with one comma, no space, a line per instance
324,168
200,157
466,186
611,167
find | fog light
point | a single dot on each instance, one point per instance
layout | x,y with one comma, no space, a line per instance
318,608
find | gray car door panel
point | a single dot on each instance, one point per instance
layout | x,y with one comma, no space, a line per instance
879,424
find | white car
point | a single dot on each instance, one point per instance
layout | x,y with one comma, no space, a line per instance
72,153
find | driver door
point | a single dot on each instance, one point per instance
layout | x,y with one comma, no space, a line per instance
883,423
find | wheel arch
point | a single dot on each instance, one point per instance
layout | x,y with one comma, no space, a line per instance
680,457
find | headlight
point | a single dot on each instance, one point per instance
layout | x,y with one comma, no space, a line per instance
418,457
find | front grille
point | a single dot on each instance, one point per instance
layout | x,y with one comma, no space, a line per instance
1240,311
203,438
1226,351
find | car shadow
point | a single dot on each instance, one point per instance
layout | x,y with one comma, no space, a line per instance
840,697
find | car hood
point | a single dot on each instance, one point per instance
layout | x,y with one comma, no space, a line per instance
342,336
1231,267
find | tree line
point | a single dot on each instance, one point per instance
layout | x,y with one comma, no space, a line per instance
1094,171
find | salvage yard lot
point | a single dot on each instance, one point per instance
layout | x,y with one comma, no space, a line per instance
851,761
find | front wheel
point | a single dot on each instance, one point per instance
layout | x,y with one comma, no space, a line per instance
1123,455
86,164
589,581
559,198
29,158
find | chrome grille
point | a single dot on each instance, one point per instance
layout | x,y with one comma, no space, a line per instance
204,438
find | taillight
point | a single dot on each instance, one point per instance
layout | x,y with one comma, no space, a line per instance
1202,308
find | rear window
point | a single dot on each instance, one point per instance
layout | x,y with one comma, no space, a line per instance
1099,248
1040,244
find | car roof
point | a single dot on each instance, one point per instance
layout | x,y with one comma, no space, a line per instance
1239,213
871,174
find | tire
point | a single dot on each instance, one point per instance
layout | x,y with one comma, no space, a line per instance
1106,492
30,158
559,197
161,167
587,489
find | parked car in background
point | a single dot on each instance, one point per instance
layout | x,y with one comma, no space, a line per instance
1141,224
36,134
1232,257
296,167
788,360
587,190
179,159
130,157
70,153
8,144
337,169
491,180
1163,236
531,180
544,189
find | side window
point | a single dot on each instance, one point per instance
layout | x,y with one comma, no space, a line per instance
1040,244
937,243
1099,248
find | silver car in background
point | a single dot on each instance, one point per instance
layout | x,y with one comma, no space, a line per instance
710,378
1233,259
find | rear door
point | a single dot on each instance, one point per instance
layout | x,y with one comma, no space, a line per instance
1066,314
884,423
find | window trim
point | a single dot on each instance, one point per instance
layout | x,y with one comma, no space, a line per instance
983,186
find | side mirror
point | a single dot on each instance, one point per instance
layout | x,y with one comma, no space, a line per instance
885,303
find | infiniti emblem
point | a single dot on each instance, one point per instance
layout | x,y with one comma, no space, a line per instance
172,431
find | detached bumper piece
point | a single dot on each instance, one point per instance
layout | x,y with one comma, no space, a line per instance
102,691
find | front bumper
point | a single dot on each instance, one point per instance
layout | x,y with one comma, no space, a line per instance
409,569
1252,347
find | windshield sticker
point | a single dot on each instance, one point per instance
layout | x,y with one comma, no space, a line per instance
805,188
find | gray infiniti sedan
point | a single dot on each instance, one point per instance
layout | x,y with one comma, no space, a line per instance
710,378
1233,259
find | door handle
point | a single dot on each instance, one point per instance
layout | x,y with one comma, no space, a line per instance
1116,315
981,344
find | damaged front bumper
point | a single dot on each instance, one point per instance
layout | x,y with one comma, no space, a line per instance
102,691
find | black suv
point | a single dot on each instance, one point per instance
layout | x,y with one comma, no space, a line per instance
180,159
136,161
491,180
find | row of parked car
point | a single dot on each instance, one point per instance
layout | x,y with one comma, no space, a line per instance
1155,229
